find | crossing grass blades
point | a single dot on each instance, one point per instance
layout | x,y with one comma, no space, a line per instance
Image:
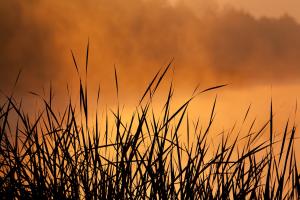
62,156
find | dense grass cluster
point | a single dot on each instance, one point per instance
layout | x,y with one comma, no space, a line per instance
62,156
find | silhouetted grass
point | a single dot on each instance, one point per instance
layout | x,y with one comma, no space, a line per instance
62,156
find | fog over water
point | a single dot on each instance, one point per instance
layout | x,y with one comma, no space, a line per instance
211,44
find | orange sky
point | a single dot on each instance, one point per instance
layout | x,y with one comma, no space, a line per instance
253,49
271,8
258,8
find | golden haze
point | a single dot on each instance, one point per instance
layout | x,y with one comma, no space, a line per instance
210,44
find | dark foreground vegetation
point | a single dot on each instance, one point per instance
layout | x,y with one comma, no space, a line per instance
62,156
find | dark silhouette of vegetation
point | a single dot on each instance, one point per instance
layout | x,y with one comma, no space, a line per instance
61,156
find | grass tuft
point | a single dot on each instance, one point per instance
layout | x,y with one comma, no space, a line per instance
60,156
